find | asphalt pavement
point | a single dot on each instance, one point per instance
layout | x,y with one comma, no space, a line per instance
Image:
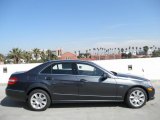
14,110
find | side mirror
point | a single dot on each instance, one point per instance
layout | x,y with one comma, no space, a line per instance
114,73
103,77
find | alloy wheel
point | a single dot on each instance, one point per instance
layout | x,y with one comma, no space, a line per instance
137,98
38,100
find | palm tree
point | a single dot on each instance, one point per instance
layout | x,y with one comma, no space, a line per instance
94,49
118,50
126,50
136,49
102,49
43,56
79,52
155,48
145,49
133,49
129,48
1,57
90,51
27,56
122,50
86,51
36,53
98,51
108,51
49,54
15,54
111,50
115,50
54,57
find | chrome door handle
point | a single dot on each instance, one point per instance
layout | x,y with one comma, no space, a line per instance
48,78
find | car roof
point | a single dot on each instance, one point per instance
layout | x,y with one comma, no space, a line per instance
69,61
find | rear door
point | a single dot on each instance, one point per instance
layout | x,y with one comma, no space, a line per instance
63,81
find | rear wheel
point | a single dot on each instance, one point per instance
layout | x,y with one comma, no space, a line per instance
136,97
39,100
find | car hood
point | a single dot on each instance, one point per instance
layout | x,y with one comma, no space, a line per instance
129,76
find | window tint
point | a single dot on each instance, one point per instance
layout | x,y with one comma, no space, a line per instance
62,68
84,69
47,70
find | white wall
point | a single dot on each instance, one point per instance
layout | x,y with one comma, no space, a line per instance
11,68
146,67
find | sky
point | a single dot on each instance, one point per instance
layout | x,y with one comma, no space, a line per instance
78,24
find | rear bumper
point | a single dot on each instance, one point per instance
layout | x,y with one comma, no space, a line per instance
16,94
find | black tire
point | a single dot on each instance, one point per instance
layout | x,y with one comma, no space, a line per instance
129,100
47,100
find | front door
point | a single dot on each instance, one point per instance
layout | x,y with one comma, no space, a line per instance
90,85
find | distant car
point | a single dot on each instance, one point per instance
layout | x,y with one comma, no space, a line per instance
66,81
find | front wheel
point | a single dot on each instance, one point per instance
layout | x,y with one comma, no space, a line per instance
136,98
39,100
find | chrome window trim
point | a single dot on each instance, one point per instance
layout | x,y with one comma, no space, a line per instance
91,64
51,73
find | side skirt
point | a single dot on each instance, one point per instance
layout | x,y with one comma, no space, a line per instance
84,101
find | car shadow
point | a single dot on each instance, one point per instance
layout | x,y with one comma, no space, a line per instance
8,102
89,104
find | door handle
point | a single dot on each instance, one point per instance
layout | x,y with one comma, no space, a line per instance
48,78
83,80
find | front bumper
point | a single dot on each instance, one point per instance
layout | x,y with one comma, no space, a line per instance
16,94
151,93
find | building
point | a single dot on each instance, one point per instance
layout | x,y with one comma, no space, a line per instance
57,52
68,56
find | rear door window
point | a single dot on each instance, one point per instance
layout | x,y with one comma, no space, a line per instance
59,68
62,68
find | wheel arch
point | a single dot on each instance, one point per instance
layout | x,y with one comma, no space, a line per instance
138,86
39,86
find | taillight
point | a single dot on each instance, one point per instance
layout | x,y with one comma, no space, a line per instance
12,80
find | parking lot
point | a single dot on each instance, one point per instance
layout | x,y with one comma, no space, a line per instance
14,110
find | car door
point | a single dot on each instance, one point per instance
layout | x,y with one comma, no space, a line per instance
91,87
63,81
